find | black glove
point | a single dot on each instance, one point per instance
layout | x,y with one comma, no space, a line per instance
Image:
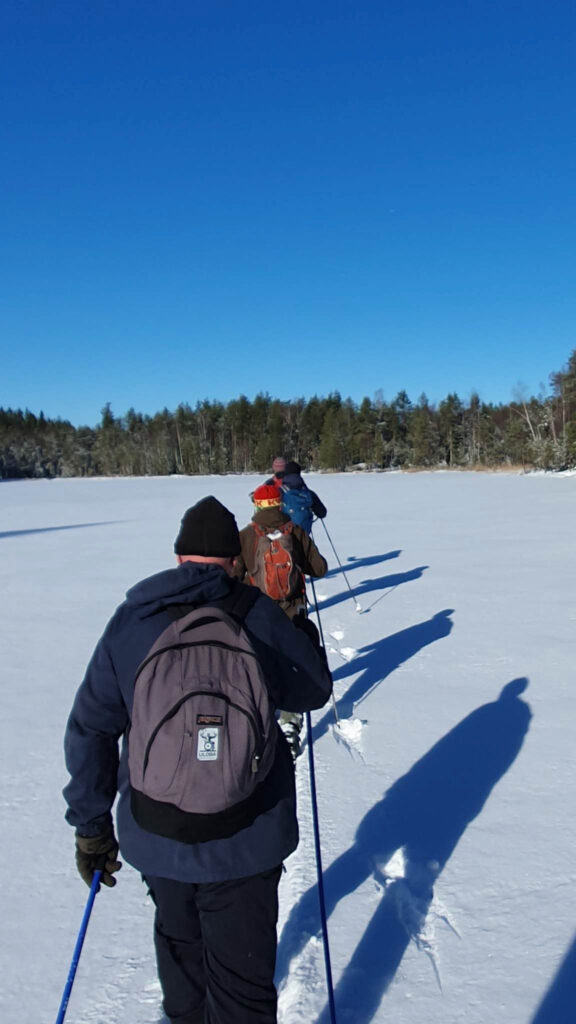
97,853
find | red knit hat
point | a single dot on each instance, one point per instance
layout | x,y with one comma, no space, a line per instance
267,496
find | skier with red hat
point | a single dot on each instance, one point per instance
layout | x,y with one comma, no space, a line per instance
275,556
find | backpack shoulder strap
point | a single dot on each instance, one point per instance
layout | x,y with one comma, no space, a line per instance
240,600
177,611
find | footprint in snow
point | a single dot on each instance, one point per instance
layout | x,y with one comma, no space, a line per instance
348,732
347,653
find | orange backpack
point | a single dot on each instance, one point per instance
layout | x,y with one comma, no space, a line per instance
275,572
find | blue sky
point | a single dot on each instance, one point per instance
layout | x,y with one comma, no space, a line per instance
203,199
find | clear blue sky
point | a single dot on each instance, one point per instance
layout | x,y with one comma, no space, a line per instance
205,198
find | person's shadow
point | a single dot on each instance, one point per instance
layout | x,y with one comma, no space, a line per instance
423,815
362,563
557,1007
378,660
368,586
52,529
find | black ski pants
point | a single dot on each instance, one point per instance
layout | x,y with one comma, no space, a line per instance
216,948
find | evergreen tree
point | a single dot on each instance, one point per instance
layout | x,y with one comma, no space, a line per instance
400,414
332,448
451,429
423,438
328,433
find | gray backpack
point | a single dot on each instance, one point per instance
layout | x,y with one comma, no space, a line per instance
203,730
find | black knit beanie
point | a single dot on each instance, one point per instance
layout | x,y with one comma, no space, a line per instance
292,468
208,528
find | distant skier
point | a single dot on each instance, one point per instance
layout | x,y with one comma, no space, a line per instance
275,556
278,469
298,501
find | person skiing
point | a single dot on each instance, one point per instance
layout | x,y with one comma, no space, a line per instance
275,556
216,900
298,501
278,469
270,522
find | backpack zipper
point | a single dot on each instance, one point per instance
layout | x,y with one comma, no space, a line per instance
191,643
258,742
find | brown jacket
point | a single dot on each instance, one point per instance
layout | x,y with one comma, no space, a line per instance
305,554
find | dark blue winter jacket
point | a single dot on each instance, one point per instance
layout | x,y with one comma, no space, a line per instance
297,678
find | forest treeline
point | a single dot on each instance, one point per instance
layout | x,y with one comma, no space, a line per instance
332,433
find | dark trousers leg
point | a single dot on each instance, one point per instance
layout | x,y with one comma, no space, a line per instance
179,950
239,921
217,941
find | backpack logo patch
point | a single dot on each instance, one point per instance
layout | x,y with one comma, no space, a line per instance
208,744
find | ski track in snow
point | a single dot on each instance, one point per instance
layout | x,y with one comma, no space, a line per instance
348,732
417,907
129,990
304,985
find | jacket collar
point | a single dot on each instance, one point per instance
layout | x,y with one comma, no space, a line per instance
190,582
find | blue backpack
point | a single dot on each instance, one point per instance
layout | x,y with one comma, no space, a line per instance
297,503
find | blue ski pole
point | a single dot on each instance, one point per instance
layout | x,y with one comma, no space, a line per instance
318,852
78,947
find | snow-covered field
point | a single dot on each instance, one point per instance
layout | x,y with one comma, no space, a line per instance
446,794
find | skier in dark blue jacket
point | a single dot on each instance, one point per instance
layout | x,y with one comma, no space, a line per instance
299,502
216,901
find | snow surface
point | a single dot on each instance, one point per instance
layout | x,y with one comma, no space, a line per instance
446,792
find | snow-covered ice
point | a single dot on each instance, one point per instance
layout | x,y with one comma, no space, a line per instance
446,789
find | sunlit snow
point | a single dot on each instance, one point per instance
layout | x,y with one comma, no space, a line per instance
445,770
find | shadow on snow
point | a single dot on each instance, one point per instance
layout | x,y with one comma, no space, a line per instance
367,586
380,659
362,563
424,814
51,529
557,1007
